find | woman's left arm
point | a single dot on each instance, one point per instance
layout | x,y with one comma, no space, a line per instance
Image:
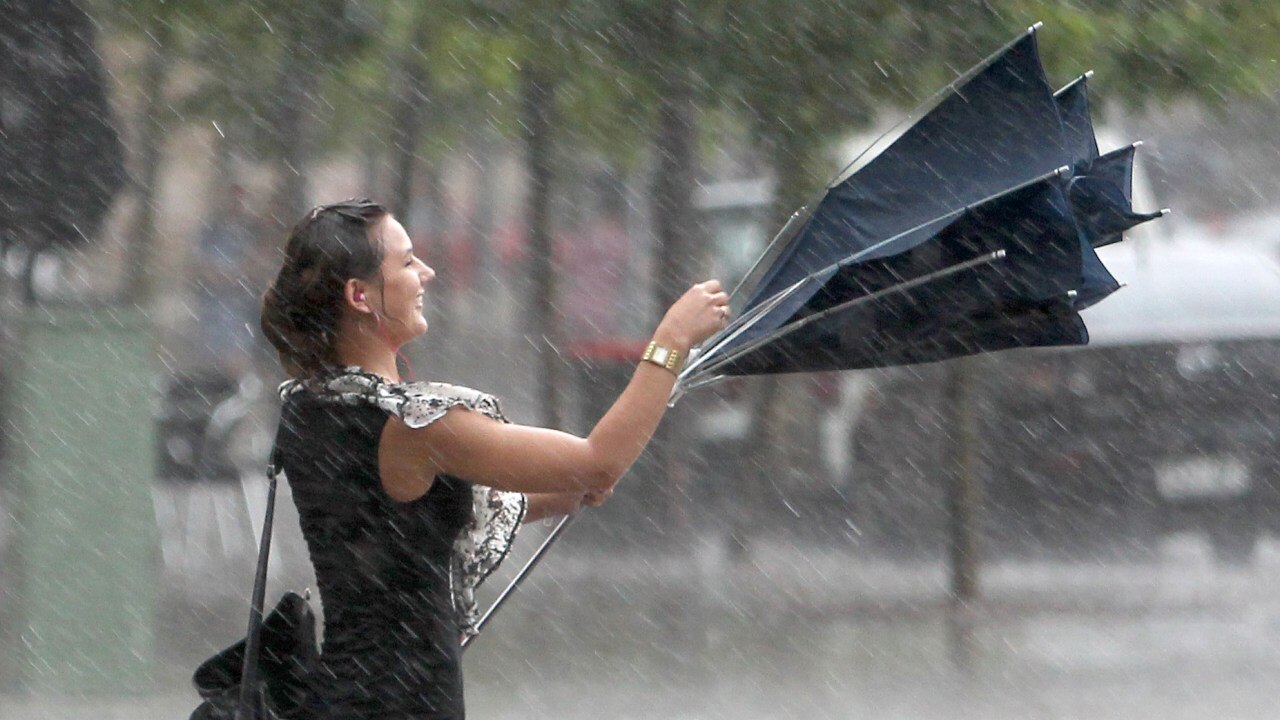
545,505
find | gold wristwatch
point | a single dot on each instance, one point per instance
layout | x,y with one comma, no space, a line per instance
664,357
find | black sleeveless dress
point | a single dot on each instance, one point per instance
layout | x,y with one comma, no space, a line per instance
396,580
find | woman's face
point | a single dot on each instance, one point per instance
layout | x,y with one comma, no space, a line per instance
397,298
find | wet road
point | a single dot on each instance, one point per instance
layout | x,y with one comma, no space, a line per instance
817,635
805,633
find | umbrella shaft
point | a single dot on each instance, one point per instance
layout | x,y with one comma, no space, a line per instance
519,578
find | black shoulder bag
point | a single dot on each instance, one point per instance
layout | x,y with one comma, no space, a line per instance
264,676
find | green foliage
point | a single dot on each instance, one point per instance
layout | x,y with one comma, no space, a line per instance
1156,51
797,74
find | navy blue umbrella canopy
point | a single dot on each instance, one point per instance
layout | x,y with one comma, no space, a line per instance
1077,123
973,231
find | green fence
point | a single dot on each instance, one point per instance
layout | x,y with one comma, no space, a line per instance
85,545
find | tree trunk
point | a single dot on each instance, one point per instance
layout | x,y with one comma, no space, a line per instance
296,88
412,92
537,108
434,231
150,139
964,502
678,262
485,153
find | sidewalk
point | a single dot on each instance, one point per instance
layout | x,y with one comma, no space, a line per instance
817,633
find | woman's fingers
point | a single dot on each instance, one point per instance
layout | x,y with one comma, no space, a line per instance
699,314
596,498
716,305
720,305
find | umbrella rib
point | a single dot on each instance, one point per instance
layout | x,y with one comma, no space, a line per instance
679,390
900,287
1083,77
791,222
703,382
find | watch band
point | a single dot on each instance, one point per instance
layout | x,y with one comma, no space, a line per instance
664,357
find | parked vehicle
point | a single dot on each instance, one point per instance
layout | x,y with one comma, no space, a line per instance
1167,421
211,455
206,433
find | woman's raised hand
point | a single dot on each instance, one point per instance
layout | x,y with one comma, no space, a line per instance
701,312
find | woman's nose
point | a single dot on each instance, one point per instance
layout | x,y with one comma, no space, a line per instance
426,274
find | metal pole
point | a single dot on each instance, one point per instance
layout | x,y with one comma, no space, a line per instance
964,498
519,578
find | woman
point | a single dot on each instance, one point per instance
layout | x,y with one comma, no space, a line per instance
410,493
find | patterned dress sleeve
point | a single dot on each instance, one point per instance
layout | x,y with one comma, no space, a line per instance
496,515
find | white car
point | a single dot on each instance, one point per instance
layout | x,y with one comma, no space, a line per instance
1168,419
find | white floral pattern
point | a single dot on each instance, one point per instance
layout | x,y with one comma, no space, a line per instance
496,515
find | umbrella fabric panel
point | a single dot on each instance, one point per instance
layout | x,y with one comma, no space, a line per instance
874,275
1048,325
1077,124
1033,225
999,129
1043,262
757,327
1096,282
1102,197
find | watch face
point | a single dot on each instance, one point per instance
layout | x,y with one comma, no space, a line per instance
660,355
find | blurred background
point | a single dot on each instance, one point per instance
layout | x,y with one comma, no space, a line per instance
1038,534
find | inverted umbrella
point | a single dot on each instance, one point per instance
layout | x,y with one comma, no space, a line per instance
971,231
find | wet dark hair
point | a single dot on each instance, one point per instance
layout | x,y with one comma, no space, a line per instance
301,309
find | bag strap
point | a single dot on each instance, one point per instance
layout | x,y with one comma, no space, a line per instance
250,697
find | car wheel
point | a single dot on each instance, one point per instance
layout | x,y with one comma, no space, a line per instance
1234,546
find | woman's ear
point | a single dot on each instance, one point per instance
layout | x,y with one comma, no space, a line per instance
357,295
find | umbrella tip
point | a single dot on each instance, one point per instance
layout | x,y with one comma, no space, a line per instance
677,392
1139,143
999,254
1062,170
1088,74
1072,294
1165,211
1035,27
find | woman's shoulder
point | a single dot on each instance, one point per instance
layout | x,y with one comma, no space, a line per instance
418,404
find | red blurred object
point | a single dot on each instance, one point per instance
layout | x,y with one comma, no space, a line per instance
608,350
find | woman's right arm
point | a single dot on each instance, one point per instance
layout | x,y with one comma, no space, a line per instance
528,459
